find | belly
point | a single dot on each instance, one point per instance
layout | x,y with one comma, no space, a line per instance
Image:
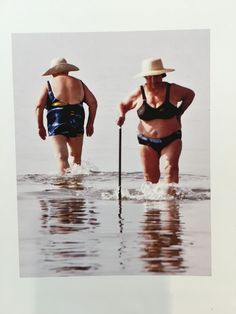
159,128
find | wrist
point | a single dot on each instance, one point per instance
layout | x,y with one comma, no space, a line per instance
181,110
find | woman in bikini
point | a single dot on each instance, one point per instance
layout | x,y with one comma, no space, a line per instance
159,107
63,99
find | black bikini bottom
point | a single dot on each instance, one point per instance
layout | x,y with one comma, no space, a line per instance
159,143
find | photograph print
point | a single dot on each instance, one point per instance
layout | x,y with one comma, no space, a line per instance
112,137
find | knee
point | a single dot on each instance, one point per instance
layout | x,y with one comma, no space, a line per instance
171,169
62,156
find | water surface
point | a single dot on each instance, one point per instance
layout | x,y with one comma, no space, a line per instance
75,225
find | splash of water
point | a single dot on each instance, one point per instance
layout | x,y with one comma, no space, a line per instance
86,180
158,192
86,168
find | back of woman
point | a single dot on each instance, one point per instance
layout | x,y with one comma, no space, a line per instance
63,97
68,89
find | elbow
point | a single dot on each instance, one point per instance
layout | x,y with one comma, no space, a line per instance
192,94
121,108
39,108
93,105
93,102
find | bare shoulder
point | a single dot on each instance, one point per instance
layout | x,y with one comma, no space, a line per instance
179,91
86,89
44,90
136,92
74,80
179,88
42,96
89,97
133,96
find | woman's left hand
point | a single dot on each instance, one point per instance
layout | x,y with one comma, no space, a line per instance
89,129
42,133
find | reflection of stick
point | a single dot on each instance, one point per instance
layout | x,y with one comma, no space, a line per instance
120,216
120,139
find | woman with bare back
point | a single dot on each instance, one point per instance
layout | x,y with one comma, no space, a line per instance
63,99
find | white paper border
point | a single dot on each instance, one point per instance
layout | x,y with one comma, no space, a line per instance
214,294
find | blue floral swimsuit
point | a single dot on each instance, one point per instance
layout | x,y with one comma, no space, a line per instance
63,118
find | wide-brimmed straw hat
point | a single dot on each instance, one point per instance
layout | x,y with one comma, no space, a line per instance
60,65
153,67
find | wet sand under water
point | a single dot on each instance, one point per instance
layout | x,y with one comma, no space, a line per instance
70,235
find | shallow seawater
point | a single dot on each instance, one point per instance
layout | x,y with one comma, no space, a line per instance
76,225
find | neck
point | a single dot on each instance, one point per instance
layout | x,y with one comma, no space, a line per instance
60,74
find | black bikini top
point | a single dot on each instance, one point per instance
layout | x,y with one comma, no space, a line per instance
164,111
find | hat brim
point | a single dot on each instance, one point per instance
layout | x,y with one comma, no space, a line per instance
60,68
153,73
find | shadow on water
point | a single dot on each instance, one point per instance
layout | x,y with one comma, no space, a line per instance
161,244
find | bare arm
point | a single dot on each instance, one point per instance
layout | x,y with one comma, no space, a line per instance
128,104
39,113
91,101
185,95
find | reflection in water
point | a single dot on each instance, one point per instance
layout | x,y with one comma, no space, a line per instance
67,228
121,219
69,182
69,225
67,215
161,243
122,245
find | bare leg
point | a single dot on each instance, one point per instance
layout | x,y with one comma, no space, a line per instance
150,162
60,145
172,153
76,145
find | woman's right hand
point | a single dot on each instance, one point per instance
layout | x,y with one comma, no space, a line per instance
120,121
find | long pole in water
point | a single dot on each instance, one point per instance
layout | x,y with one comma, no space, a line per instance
120,142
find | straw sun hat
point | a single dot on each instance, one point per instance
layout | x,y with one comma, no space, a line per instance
60,65
153,67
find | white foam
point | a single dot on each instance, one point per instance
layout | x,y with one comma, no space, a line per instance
86,167
158,192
